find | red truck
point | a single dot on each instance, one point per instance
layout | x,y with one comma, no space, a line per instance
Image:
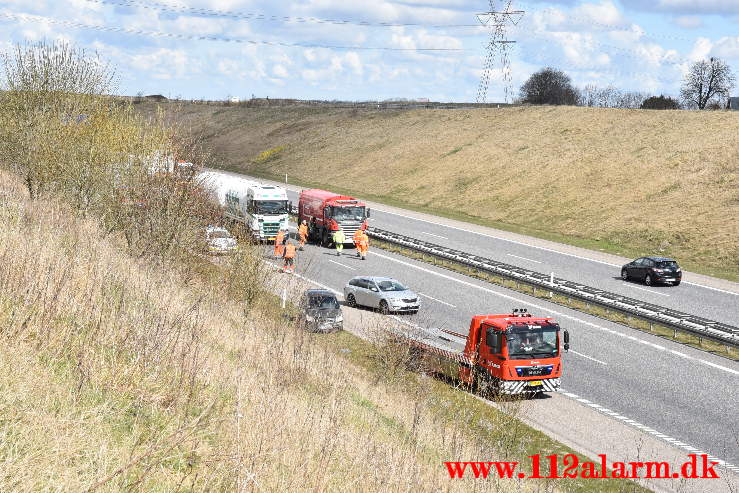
505,354
326,212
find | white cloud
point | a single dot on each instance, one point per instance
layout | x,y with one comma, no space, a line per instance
727,47
701,49
165,63
687,6
280,71
688,22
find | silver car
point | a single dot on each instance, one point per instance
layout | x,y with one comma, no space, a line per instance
383,293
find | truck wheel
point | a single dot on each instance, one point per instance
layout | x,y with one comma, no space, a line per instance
384,308
676,283
324,238
351,301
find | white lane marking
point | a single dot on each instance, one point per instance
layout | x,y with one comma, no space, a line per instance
711,288
662,436
539,247
339,263
560,314
497,237
297,191
523,258
644,289
571,395
436,236
438,301
306,279
588,357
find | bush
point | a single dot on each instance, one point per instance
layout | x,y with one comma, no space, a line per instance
660,103
549,86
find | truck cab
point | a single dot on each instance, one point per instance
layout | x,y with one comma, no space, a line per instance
514,353
326,212
267,208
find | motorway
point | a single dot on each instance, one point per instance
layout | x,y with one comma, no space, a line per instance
721,304
676,393
683,394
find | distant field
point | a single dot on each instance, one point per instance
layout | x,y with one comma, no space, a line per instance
625,181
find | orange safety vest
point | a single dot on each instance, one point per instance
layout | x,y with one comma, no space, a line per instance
290,251
358,235
303,230
364,241
279,238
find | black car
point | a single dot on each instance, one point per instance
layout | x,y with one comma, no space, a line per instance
320,311
653,270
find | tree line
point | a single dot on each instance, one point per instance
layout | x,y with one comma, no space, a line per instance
65,136
707,85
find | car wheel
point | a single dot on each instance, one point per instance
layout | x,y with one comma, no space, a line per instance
676,283
351,301
648,280
384,308
624,274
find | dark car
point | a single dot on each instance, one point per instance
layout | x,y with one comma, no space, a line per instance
320,311
653,270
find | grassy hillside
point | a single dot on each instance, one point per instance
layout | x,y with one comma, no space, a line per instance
117,374
625,181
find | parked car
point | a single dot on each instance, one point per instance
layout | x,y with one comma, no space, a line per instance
383,293
320,311
219,240
653,270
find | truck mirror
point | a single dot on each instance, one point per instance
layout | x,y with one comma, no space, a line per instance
368,213
567,340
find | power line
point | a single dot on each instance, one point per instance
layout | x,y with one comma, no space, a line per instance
183,9
159,34
497,45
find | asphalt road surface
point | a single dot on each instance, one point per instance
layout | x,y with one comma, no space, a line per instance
672,390
691,297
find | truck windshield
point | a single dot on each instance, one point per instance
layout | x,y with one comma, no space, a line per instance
348,213
270,206
532,341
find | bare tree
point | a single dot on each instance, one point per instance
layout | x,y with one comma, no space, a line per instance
588,96
549,86
707,81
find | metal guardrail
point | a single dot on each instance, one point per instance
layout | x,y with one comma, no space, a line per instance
698,326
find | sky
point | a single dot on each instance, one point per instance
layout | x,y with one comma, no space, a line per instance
354,50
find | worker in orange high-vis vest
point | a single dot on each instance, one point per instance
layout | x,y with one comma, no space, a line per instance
279,244
363,245
303,234
356,238
289,256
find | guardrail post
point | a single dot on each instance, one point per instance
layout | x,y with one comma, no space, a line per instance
284,297
651,327
551,283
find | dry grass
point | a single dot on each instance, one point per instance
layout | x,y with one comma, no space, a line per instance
627,181
117,375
